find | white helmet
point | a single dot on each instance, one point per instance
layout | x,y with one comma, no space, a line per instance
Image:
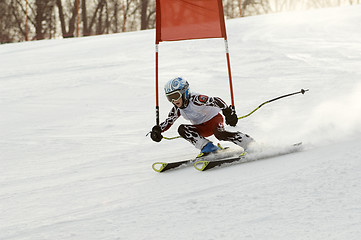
177,88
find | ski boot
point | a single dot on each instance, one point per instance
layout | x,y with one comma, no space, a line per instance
207,149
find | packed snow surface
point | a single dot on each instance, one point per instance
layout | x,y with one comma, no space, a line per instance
75,161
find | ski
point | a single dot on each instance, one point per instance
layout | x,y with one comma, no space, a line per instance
164,166
220,154
204,165
222,157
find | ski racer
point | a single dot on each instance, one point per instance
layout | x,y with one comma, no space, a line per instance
203,112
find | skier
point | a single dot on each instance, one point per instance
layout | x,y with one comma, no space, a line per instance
203,112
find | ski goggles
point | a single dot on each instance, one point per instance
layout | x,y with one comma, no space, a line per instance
174,96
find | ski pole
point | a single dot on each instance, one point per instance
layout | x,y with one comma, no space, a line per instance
274,99
171,138
166,138
269,101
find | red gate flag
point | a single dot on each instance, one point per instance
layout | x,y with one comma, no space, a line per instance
189,19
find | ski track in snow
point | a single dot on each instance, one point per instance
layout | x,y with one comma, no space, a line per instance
75,162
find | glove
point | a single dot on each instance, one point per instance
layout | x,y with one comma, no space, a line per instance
230,115
156,133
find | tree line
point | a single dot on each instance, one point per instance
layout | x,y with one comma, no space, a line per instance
22,20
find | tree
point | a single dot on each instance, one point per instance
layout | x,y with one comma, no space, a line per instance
44,18
5,22
147,14
71,20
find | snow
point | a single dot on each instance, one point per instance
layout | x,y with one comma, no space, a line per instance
76,164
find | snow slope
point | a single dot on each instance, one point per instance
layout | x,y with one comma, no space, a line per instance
75,162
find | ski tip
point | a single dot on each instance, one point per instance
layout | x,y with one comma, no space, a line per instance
201,165
159,166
